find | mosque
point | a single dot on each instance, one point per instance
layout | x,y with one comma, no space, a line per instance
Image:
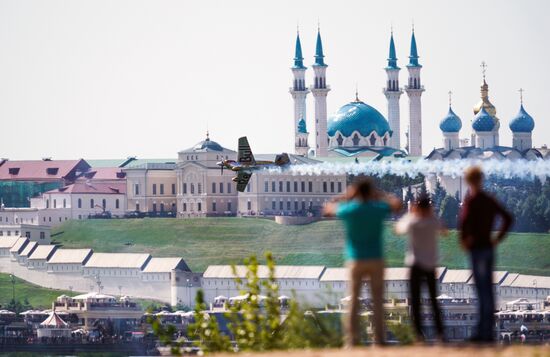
357,129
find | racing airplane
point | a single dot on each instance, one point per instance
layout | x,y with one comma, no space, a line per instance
246,164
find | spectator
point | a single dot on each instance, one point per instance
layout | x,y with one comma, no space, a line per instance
477,220
363,209
423,228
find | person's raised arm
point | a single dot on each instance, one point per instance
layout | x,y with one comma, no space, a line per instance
395,203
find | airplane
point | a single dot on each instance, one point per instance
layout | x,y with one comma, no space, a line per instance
246,164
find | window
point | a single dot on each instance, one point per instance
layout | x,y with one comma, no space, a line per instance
162,189
173,188
280,186
54,203
295,205
192,188
9,233
221,187
249,187
213,187
184,188
162,207
154,189
80,203
199,188
154,207
331,186
92,205
355,140
229,206
325,186
288,205
310,186
273,186
214,206
229,187
295,186
248,205
339,187
339,140
273,205
28,235
303,205
47,203
184,208
372,140
64,203
137,207
42,235
117,203
104,204
266,186
288,186
136,189
281,205
199,206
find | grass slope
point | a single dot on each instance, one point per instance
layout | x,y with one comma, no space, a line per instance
206,241
37,296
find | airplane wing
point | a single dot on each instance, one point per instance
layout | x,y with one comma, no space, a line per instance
245,154
242,180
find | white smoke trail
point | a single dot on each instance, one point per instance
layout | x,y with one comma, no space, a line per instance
522,169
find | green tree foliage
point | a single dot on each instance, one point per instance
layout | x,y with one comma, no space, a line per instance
449,211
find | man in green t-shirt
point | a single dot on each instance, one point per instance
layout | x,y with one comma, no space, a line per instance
363,210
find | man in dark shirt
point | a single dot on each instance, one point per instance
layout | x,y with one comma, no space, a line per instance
477,219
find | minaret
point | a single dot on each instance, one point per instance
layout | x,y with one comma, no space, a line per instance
319,91
299,91
414,90
392,93
301,146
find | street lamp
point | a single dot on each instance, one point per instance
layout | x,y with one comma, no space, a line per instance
12,278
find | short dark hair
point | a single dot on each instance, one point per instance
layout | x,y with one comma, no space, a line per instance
423,202
473,175
365,188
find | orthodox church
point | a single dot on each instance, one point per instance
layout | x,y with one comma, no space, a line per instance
357,129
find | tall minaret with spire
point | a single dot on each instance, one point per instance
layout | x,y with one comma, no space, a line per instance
319,89
392,93
299,92
414,90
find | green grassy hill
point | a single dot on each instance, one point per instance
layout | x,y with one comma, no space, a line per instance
38,297
206,241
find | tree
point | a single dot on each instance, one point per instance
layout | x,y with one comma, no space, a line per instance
438,195
449,211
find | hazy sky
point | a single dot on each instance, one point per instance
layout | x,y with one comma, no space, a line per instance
111,79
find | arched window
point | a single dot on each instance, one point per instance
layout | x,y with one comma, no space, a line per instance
47,203
385,140
54,203
64,203
192,188
340,140
92,203
355,140
104,204
117,203
80,203
372,139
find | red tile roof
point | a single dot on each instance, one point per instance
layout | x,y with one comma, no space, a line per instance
92,187
41,170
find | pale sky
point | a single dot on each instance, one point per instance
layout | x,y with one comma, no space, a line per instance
111,79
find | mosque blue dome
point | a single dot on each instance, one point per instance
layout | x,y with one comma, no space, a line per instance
483,121
451,123
523,122
207,145
358,116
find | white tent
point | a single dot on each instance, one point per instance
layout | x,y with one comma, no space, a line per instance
53,326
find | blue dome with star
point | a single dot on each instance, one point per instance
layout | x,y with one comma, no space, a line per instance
483,121
523,122
360,117
450,123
